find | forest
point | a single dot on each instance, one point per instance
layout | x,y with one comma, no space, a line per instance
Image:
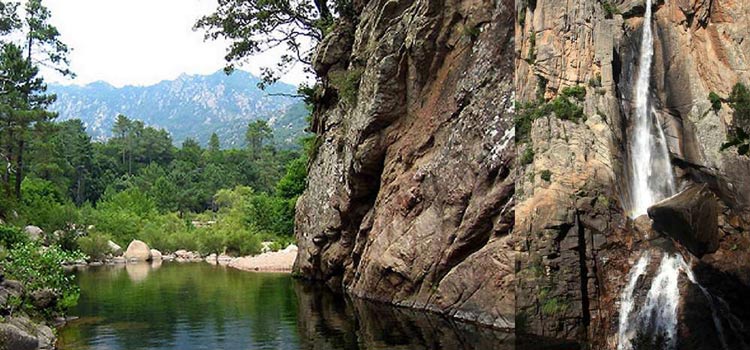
137,185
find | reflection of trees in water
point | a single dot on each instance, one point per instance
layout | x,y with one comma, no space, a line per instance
178,303
330,321
203,306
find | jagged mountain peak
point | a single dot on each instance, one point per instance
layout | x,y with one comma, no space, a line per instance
189,106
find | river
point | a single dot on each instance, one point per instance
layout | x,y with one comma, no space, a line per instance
201,306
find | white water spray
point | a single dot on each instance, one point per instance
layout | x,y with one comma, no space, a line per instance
651,169
627,299
660,311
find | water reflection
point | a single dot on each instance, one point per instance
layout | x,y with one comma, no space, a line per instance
200,306
329,321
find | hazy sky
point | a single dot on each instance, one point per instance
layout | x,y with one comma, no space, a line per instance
141,42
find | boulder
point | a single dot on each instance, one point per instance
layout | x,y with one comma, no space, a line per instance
155,255
43,298
114,248
35,233
137,251
690,218
17,339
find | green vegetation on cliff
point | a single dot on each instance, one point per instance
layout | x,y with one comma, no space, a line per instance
739,100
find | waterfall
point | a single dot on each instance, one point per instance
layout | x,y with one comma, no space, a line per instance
652,178
651,181
625,333
659,315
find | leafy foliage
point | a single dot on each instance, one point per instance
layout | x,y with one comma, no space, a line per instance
40,268
528,156
255,26
739,100
562,107
715,100
578,92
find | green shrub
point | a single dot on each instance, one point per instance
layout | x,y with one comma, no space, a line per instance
566,110
211,241
610,9
242,243
44,206
41,268
739,100
578,92
95,246
546,175
528,156
11,236
715,100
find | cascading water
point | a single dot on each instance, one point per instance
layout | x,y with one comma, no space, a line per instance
651,181
627,299
652,178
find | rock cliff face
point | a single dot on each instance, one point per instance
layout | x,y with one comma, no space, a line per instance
410,193
574,236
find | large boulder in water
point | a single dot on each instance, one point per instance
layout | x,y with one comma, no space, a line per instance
691,218
137,251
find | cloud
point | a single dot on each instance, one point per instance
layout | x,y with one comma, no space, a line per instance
141,42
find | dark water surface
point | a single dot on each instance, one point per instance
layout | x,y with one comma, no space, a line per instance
200,306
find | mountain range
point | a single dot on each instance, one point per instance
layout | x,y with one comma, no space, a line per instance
191,106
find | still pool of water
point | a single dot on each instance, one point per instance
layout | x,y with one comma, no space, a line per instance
201,306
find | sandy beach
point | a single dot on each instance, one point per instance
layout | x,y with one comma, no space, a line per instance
280,261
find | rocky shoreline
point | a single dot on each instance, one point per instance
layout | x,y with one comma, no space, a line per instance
139,252
18,331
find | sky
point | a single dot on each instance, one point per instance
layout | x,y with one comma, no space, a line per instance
142,42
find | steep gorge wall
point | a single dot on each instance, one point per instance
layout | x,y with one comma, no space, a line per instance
410,191
575,240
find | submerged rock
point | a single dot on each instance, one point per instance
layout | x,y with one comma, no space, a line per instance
691,218
137,251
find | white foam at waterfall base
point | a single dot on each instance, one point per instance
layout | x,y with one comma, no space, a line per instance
627,299
659,314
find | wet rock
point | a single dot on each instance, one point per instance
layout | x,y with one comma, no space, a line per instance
137,251
691,218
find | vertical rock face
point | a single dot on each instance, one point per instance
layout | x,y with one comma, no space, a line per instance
410,193
573,233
